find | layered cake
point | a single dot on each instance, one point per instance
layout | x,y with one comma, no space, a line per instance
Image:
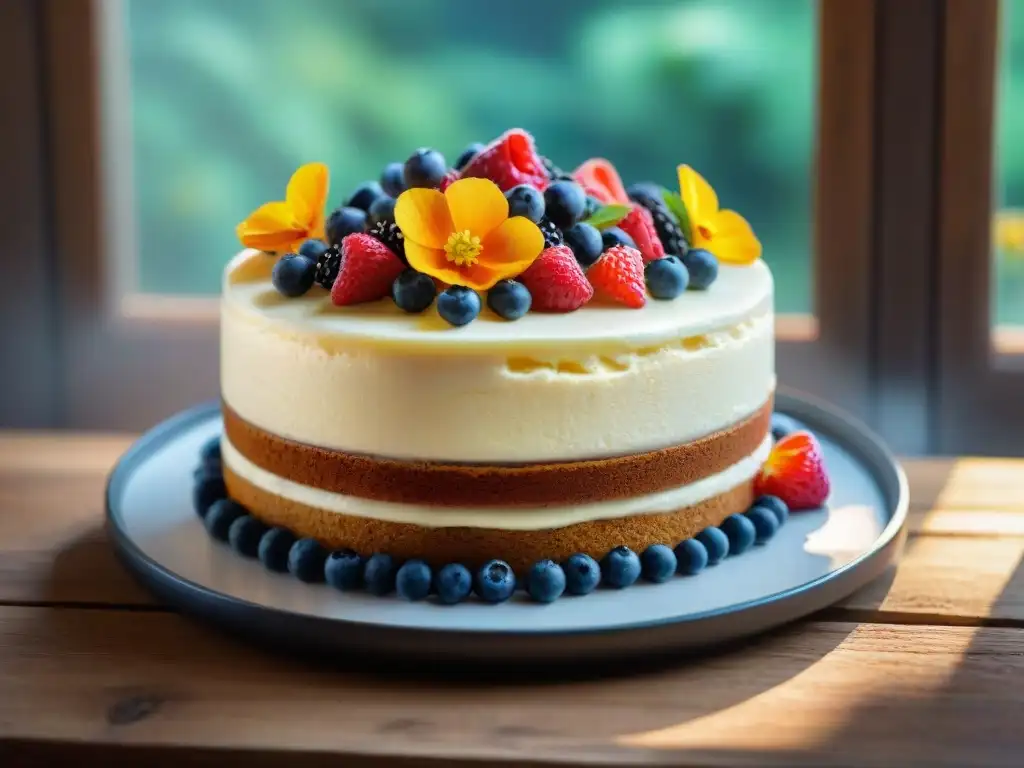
494,372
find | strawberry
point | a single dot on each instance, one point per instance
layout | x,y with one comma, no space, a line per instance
600,179
639,224
619,275
508,161
556,281
795,472
368,268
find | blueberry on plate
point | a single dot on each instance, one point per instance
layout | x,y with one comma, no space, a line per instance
453,583
658,563
208,488
778,507
210,452
274,548
392,179
424,168
379,574
582,574
614,236
620,568
702,266
343,222
691,557
564,203
382,210
495,581
509,299
306,560
293,275
741,533
715,542
413,580
524,200
365,194
468,154
343,569
244,535
221,515
586,243
545,582
458,305
413,291
765,523
666,278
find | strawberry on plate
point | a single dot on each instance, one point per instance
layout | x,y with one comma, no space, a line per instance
509,161
795,472
619,275
368,268
639,225
556,281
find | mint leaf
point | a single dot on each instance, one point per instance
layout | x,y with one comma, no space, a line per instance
678,208
608,216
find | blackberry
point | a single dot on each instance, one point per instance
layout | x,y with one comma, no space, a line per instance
327,267
665,224
552,234
554,172
389,234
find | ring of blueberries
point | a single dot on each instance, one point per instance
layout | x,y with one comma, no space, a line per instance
306,559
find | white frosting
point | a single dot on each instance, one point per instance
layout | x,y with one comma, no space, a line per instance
510,518
598,382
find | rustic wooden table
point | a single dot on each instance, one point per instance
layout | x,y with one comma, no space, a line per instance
925,667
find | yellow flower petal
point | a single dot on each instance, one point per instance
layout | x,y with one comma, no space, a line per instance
477,205
307,194
271,227
512,247
422,215
734,241
432,261
699,198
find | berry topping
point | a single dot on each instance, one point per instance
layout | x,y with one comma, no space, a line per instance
413,291
306,561
293,275
691,557
382,209
327,267
552,235
600,179
509,300
495,582
344,221
392,179
344,569
554,172
413,580
448,179
509,161
274,548
658,563
585,242
221,515
424,168
777,506
593,206
365,194
389,234
702,266
527,201
379,574
244,535
313,249
614,236
765,523
453,583
368,268
582,574
564,202
210,452
639,225
795,472
619,276
741,533
556,282
458,305
650,196
666,278
209,488
545,582
620,568
715,542
468,154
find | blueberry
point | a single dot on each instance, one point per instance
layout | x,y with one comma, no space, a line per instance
564,202
274,548
313,249
382,210
344,221
778,507
293,275
527,201
582,574
221,515
306,560
715,542
741,533
244,535
647,193
391,179
453,583
691,557
468,154
458,305
586,243
208,488
765,523
702,266
365,194
379,574
495,581
593,206
210,452
208,469
509,300
424,168
413,580
413,291
666,278
658,563
614,236
545,582
783,425
620,568
344,569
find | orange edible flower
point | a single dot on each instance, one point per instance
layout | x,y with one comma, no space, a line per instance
284,225
463,236
725,233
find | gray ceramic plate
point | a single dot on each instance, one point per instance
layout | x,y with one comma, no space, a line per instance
816,559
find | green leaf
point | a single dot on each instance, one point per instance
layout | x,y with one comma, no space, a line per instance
608,216
678,208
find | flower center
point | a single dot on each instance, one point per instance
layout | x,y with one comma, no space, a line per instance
463,248
707,231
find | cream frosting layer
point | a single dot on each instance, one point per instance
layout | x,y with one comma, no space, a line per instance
512,518
599,382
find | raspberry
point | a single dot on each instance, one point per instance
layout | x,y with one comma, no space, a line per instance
666,225
639,224
619,275
509,161
368,268
556,282
600,179
448,179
